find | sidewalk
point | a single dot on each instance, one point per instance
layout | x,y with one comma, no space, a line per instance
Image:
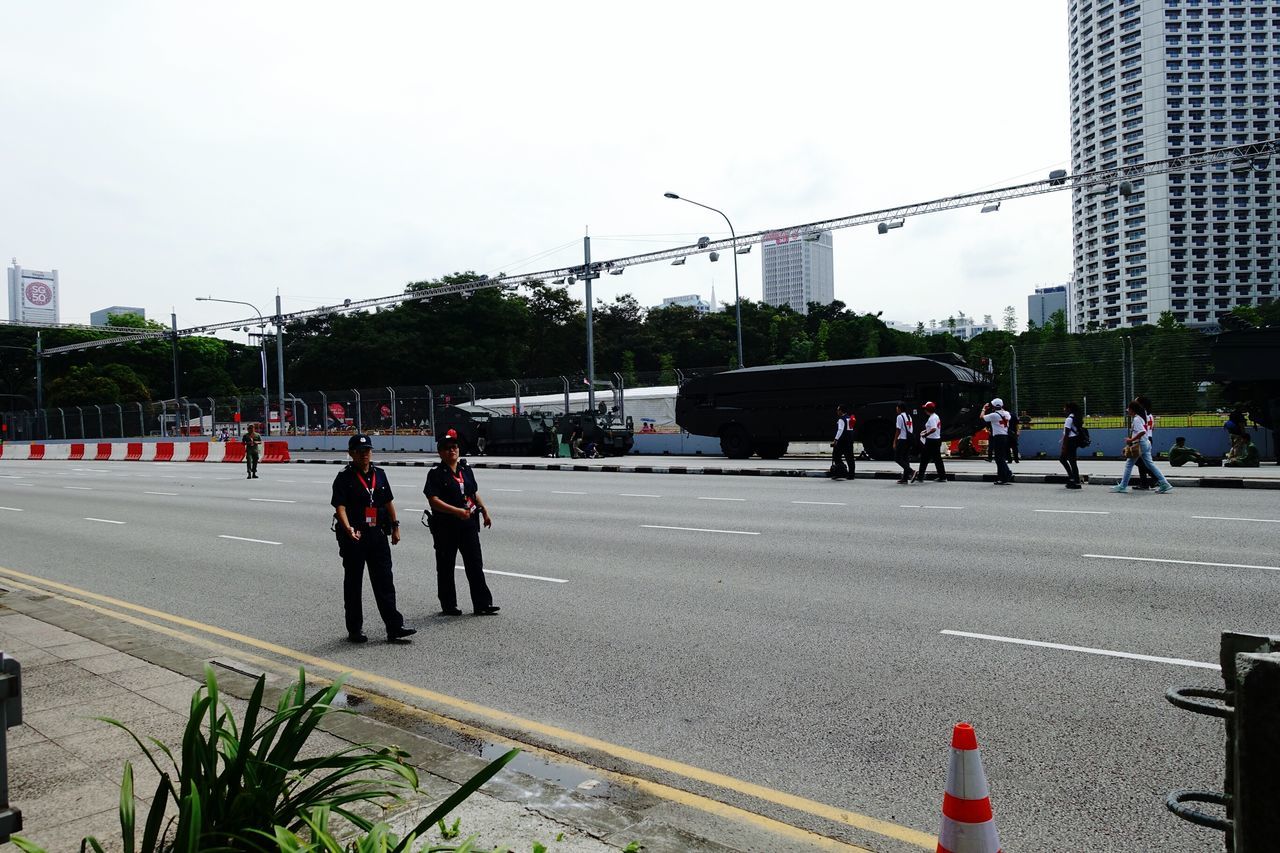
65,767
1104,472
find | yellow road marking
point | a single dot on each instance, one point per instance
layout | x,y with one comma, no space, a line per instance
688,771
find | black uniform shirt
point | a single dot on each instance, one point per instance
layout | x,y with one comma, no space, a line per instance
443,484
349,492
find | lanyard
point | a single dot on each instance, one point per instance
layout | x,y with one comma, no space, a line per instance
371,485
457,478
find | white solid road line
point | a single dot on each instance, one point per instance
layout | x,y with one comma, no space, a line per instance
1232,518
104,520
166,494
700,529
246,539
722,499
635,495
1085,649
1181,562
272,501
821,503
1078,511
10,509
518,575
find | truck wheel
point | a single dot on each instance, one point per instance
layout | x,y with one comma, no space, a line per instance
735,442
877,440
771,449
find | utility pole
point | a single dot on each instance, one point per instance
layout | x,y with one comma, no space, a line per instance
279,319
591,349
40,385
173,318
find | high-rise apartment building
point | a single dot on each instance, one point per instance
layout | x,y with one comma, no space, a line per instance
797,269
1152,79
1045,302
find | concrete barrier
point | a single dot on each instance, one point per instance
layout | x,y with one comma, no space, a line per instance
275,451
77,452
133,451
233,451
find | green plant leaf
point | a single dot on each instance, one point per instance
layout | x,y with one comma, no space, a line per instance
26,846
127,835
155,816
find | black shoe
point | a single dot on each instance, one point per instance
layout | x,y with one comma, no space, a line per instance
451,611
248,476
902,482
357,638
488,611
397,635
1074,486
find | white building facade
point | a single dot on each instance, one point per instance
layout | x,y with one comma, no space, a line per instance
692,300
1152,79
797,269
33,295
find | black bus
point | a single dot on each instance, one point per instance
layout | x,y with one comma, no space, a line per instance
761,409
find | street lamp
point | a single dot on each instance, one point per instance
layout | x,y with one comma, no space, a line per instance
262,340
737,301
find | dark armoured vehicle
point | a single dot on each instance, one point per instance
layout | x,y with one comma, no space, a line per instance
611,436
531,433
761,409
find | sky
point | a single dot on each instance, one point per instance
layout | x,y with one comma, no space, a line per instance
155,152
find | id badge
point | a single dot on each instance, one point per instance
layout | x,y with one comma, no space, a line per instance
371,516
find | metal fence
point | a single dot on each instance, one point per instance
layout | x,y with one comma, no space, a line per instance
1101,374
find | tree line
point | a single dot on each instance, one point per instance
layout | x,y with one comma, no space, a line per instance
495,333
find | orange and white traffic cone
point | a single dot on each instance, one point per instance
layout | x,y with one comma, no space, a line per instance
967,824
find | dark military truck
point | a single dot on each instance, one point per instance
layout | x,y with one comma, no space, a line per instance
1247,365
529,434
610,435
761,409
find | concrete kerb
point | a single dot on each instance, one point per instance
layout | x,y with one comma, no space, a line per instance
966,477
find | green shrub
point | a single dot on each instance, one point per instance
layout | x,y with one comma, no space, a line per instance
247,788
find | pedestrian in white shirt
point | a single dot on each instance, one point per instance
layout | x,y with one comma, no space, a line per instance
902,429
998,423
931,440
842,445
1138,436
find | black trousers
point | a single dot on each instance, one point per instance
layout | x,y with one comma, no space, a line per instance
450,539
932,452
1000,451
1013,447
1068,458
843,451
373,550
902,455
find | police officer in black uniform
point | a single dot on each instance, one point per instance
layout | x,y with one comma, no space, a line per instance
365,519
456,511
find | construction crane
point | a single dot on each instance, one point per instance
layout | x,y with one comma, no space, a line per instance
1238,158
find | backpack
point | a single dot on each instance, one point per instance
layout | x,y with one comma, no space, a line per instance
1082,437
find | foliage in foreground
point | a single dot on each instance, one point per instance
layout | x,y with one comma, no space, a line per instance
248,789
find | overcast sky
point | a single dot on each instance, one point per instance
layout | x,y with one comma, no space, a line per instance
157,151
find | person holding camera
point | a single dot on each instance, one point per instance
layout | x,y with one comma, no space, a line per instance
456,510
931,444
902,430
998,423
365,522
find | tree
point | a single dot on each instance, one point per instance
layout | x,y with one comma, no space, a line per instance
1010,319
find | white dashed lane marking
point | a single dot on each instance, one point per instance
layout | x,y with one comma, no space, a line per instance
1181,562
518,575
1084,649
272,501
567,493
247,539
722,499
104,520
10,509
165,494
821,503
700,529
1076,511
636,495
1232,518
79,488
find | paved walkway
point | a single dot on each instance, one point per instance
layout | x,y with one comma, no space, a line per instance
65,766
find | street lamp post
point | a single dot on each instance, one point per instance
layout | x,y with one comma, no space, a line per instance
737,301
266,391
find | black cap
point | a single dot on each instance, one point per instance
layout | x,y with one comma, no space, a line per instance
359,441
447,440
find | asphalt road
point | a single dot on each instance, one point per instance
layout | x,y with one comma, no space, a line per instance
786,632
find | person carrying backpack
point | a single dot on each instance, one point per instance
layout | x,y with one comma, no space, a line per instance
1071,428
842,462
